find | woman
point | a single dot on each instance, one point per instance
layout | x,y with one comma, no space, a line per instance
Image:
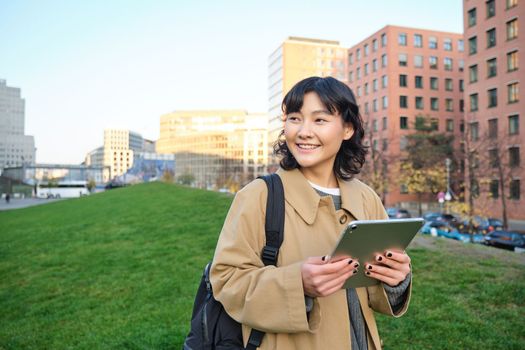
300,303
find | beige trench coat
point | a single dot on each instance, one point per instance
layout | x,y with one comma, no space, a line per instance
271,298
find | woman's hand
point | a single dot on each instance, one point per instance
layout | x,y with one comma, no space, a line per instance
323,277
391,268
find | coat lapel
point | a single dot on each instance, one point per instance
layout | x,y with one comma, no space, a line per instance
299,194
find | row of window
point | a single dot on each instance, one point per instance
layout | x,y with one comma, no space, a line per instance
492,66
490,11
512,33
433,82
492,96
494,187
513,122
513,160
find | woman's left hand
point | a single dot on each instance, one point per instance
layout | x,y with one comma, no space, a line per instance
391,268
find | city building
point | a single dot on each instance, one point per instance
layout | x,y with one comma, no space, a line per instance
215,149
16,148
495,135
398,74
295,59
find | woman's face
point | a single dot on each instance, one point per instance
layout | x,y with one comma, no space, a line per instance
314,136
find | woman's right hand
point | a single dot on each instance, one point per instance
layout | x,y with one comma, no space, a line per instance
323,277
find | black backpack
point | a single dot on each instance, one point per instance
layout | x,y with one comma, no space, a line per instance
211,327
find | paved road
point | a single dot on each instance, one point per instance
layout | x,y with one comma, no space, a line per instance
17,203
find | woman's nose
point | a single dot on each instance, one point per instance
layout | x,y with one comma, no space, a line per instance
305,131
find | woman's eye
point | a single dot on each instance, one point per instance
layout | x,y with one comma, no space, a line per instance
320,121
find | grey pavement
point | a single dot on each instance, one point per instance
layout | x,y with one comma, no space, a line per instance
17,203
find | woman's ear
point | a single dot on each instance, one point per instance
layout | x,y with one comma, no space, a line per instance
348,131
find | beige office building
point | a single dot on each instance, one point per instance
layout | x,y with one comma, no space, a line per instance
216,148
295,59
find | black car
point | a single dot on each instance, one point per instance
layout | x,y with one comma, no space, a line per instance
505,239
495,224
397,213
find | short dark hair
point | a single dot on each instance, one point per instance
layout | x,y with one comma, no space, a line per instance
337,97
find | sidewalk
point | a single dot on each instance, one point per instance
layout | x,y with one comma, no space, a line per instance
17,203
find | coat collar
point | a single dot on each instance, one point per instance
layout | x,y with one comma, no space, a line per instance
305,200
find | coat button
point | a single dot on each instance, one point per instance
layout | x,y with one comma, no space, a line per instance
343,219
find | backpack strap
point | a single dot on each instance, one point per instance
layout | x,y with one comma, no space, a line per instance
274,227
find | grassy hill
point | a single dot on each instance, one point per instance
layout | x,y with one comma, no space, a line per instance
118,270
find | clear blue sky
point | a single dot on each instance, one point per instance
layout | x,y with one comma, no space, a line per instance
87,65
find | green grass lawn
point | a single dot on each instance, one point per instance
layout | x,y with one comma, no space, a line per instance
118,270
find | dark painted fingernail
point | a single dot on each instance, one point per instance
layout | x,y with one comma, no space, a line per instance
379,258
368,273
389,254
370,267
323,258
356,265
355,271
350,261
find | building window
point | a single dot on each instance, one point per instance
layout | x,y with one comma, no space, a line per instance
365,69
473,102
351,58
402,39
403,122
491,38
374,45
418,82
449,105
512,61
403,60
434,103
374,145
366,50
450,125
384,102
449,85
366,89
493,158
511,3
418,40
374,105
419,102
493,128
374,125
418,61
358,54
514,124
434,124
492,96
515,189
350,76
471,17
491,8
433,61
514,157
461,45
433,83
432,42
461,85
359,91
448,63
512,29
374,85
474,131
494,189
472,45
374,65
492,67
384,81
383,61
402,80
473,73
358,73
447,44
403,101
385,123
513,92
366,108
461,65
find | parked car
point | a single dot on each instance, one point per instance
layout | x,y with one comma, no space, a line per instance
495,224
397,213
447,230
505,239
